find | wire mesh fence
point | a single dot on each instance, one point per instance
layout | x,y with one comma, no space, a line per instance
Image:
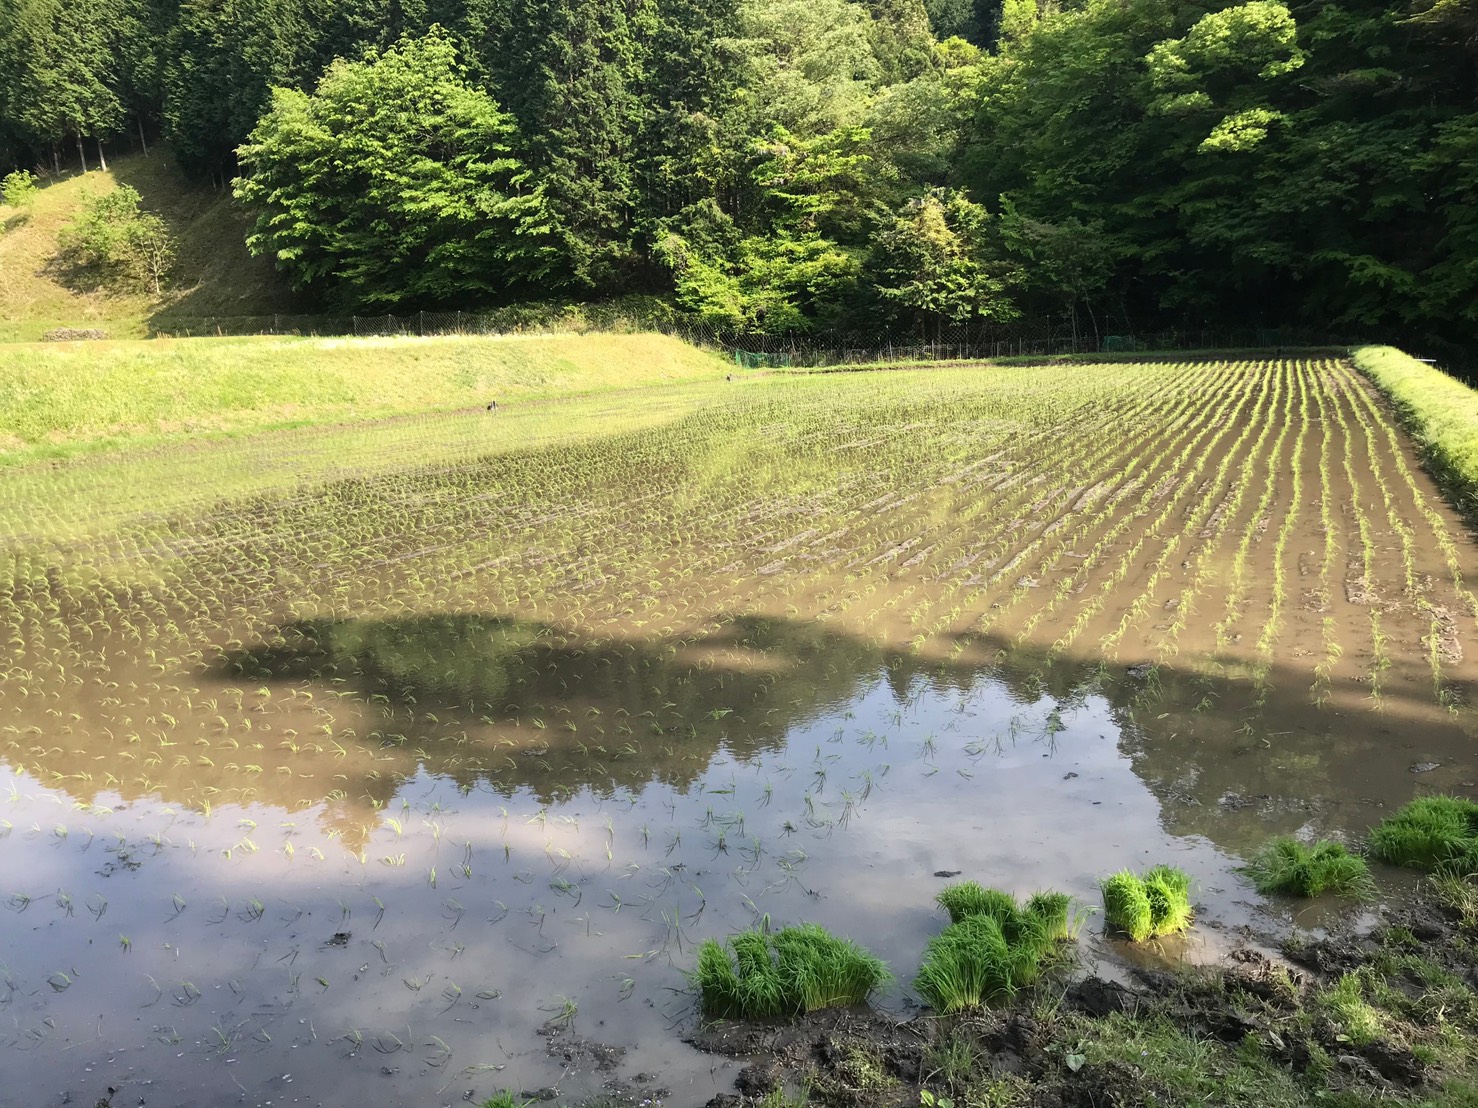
1044,336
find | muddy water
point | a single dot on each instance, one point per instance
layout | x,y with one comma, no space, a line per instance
392,787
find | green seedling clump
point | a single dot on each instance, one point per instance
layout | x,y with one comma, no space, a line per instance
993,946
1429,833
1146,907
1044,912
1286,865
765,975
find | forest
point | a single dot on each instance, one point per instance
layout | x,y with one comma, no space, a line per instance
802,165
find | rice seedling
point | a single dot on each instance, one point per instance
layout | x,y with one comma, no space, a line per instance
1285,865
763,974
1148,906
1428,833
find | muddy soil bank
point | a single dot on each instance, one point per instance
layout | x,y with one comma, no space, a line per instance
1388,1013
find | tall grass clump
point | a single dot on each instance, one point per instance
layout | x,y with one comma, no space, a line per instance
992,947
764,975
1432,832
1285,865
1149,905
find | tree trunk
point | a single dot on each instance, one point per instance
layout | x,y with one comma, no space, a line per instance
102,158
56,160
81,153
143,142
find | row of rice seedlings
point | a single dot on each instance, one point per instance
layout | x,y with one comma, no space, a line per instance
1086,453
1200,501
1256,520
1380,659
1412,587
1205,505
1333,651
1269,634
1214,421
1099,601
1211,520
1419,499
1441,534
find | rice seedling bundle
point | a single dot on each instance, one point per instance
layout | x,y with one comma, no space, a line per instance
992,947
1148,906
1430,833
767,975
1285,865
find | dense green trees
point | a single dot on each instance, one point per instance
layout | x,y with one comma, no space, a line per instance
396,183
806,164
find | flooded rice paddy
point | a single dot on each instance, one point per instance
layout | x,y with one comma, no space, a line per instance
406,762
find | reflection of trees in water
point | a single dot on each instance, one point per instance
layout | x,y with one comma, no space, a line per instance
1228,766
555,712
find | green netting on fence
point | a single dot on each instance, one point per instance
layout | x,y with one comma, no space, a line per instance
754,359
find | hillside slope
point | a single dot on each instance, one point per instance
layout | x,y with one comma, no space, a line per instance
215,274
58,399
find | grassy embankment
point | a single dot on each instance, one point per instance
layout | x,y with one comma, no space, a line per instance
214,274
1439,411
58,400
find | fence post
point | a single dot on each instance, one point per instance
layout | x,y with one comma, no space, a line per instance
423,322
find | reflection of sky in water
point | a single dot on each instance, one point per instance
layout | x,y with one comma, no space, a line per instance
188,959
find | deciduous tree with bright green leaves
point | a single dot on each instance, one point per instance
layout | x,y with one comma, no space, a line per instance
396,183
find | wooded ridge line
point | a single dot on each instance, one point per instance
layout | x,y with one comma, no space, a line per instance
799,166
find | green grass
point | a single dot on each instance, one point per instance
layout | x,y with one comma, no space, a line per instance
62,399
993,947
1431,832
505,1099
1285,865
1440,411
1148,906
762,974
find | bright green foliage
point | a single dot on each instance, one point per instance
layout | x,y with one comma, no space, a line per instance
1285,865
18,189
1215,69
115,243
1126,905
1428,832
1148,906
351,201
992,947
934,261
764,974
506,1099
